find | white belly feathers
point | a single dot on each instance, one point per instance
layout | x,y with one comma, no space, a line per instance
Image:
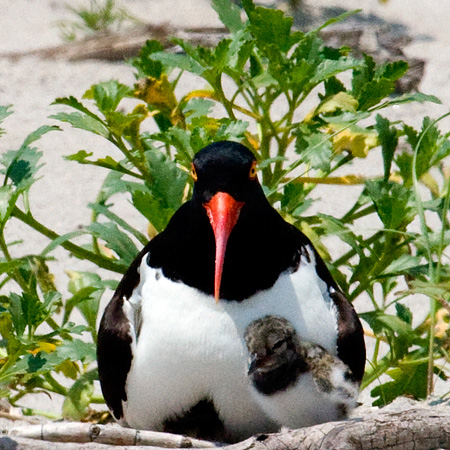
191,348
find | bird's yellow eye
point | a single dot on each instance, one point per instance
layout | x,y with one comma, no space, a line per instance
193,172
252,173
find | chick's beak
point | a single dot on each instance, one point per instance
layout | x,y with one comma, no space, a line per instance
223,213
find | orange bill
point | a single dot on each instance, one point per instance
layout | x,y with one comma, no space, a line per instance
223,212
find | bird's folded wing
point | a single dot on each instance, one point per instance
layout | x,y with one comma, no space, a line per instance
117,336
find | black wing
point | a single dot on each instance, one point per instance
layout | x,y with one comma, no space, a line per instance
114,341
350,341
351,348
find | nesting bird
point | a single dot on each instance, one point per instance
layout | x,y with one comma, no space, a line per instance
171,348
296,382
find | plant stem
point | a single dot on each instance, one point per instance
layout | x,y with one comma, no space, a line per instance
98,399
77,251
15,273
217,86
54,385
38,412
375,372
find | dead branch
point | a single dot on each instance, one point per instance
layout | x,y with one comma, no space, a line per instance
418,429
416,426
105,434
123,45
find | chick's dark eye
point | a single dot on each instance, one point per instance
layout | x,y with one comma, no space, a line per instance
280,345
193,172
252,173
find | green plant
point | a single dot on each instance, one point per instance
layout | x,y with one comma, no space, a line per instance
101,16
259,80
35,345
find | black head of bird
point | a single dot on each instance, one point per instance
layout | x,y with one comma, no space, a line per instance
225,180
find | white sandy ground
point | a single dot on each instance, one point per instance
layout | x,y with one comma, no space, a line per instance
30,84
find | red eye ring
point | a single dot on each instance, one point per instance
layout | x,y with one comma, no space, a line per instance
252,173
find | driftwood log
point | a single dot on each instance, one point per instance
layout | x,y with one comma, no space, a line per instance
120,46
406,426
123,45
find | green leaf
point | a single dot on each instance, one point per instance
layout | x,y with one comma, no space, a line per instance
75,104
35,362
7,201
414,97
22,165
77,350
337,19
404,313
42,274
329,68
315,149
264,80
105,210
17,315
177,137
437,291
271,28
76,403
87,289
179,61
116,240
114,184
60,240
83,122
409,380
152,209
81,156
405,264
4,113
392,203
375,91
197,107
363,75
37,134
342,101
231,130
107,95
33,310
229,14
388,139
332,87
392,70
145,64
432,147
84,296
167,182
6,267
334,226
293,201
268,161
108,163
379,321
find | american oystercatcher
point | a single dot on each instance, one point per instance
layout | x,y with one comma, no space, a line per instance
171,344
297,383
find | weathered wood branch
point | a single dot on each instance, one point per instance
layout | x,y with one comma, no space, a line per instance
105,434
418,427
123,45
